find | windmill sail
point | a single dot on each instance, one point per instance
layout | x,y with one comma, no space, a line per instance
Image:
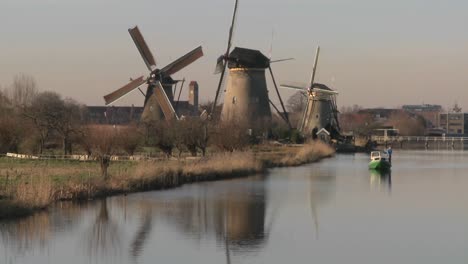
183,61
121,92
142,48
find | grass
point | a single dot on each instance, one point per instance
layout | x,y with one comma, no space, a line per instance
30,185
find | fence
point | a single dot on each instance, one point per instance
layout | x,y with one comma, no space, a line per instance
79,157
417,139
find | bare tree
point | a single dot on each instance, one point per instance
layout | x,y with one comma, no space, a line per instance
42,113
23,91
130,139
407,125
359,123
194,134
161,134
50,113
103,142
297,102
203,136
10,133
231,136
350,109
67,122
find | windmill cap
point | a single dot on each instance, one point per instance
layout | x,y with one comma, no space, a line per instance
247,58
321,86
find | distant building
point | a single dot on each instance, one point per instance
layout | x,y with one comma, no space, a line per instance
116,115
385,131
455,125
121,115
379,114
431,113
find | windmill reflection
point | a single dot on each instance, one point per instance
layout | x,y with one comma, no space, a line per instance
233,211
322,185
141,236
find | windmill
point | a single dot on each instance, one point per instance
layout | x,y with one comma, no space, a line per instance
321,110
159,96
246,95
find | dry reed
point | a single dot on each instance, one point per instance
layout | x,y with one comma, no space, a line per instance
36,185
310,152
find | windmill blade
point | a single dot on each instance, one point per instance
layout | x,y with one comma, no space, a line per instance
285,113
142,48
183,61
296,86
312,78
164,102
280,60
204,115
121,92
180,92
325,91
231,29
226,55
219,65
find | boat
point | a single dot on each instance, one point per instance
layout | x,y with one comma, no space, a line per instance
379,161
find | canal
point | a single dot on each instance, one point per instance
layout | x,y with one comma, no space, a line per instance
335,211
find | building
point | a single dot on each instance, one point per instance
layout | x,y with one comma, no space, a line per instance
455,125
380,115
431,113
116,115
121,115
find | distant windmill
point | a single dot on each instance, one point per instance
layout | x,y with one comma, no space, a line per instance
159,97
321,110
246,95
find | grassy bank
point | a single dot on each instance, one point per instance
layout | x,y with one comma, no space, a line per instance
27,186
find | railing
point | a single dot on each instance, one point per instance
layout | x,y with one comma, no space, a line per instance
416,138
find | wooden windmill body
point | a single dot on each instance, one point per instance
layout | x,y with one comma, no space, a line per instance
321,110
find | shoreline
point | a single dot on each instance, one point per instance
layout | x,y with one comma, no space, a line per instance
34,195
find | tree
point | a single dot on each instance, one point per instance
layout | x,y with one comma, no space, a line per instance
161,134
40,113
102,142
130,139
297,102
193,134
10,133
359,123
231,136
350,109
407,124
23,91
50,113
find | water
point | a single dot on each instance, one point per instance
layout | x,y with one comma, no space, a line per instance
335,211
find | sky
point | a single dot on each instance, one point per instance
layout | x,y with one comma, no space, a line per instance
375,53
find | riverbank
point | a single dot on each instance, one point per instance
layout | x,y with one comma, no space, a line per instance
27,186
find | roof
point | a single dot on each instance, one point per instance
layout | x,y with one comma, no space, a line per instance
321,86
247,58
323,130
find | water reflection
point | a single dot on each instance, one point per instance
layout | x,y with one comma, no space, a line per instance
321,186
234,211
381,180
142,233
103,236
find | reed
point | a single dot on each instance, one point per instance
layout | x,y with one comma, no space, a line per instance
35,185
311,152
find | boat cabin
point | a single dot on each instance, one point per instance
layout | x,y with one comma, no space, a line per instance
379,155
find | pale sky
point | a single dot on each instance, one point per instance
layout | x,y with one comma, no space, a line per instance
375,53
